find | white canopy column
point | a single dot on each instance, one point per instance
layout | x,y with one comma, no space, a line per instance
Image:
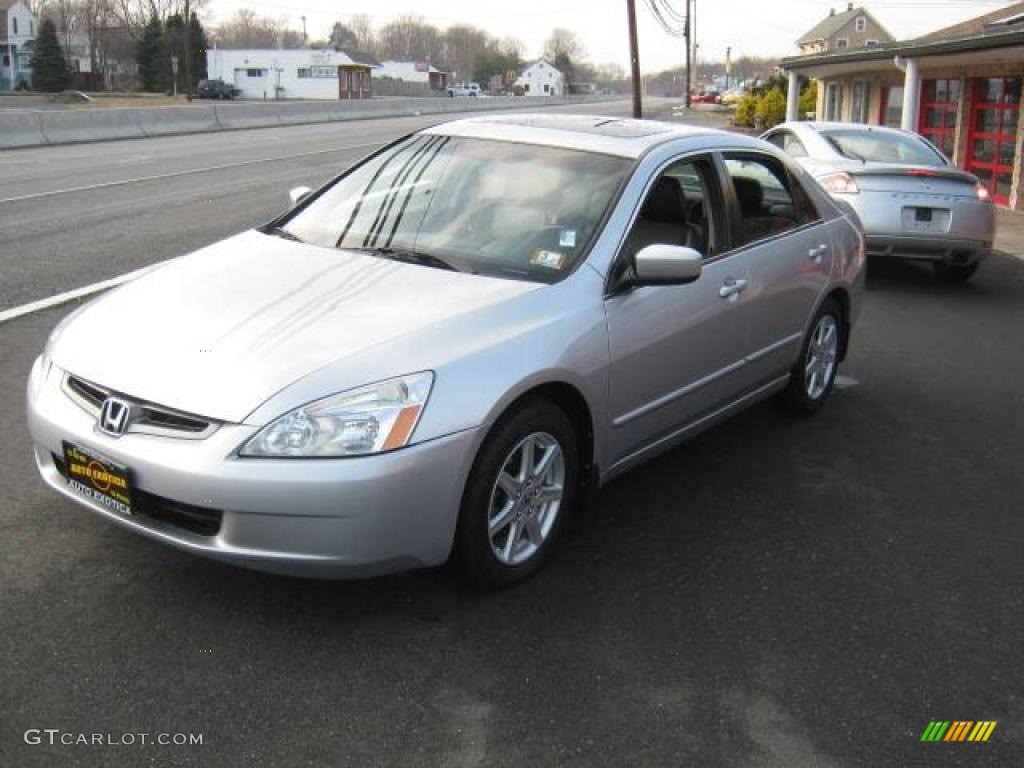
911,85
793,97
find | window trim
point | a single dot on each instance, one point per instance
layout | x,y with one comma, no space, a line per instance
860,24
614,282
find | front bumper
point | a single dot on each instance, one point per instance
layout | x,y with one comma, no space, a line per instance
329,518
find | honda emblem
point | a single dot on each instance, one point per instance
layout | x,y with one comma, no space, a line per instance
114,416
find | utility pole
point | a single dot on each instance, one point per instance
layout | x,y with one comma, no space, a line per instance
634,58
689,63
188,52
728,67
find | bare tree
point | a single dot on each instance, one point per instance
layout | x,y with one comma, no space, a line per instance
246,29
464,46
409,37
361,27
564,43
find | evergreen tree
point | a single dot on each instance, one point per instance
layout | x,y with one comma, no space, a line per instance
199,43
49,67
154,69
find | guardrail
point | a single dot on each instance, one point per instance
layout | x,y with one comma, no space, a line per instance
31,128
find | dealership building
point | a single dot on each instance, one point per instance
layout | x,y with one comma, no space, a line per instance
960,87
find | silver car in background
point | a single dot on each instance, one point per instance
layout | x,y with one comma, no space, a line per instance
441,349
912,202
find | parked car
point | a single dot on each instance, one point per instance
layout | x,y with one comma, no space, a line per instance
216,89
471,90
732,96
705,97
444,347
912,202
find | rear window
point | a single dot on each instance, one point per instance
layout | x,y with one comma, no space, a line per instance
883,147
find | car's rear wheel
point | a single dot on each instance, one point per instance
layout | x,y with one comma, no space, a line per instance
814,374
519,494
955,273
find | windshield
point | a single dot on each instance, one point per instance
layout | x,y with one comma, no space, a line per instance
496,208
883,147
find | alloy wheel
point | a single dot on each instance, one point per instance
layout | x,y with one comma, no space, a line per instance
526,498
821,356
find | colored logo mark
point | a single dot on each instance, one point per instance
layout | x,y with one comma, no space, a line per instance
958,730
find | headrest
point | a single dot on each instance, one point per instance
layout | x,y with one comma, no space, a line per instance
665,202
750,195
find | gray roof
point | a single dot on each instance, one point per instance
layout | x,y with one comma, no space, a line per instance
358,57
979,25
832,23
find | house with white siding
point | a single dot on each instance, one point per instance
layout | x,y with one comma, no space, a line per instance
303,73
17,37
541,78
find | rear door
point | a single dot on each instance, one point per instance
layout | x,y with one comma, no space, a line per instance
789,255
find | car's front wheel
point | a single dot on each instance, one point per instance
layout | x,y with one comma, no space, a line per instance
518,496
814,374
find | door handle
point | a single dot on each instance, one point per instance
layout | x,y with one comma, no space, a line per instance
817,252
732,287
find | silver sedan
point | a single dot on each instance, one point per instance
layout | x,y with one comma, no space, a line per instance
442,349
912,202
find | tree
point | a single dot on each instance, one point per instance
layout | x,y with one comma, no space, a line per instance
342,37
151,57
464,47
245,29
561,42
49,67
361,27
410,38
809,99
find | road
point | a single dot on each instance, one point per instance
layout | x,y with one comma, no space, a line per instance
78,214
777,592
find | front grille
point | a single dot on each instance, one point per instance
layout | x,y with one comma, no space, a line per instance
88,392
201,521
147,418
169,420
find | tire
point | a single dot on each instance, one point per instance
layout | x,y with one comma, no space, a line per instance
955,273
488,560
814,373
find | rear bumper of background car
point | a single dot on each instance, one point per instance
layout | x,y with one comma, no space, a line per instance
965,235
332,518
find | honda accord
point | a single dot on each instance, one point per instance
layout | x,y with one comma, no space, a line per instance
440,351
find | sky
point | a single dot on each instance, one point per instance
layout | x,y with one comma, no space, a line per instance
750,27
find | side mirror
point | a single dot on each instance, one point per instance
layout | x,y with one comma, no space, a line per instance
662,264
298,194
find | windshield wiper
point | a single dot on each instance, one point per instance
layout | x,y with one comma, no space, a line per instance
281,232
409,257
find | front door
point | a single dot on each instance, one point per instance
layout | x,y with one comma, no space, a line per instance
992,133
676,350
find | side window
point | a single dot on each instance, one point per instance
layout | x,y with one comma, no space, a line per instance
764,198
678,210
793,146
788,143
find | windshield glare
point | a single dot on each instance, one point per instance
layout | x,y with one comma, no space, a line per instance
492,207
883,147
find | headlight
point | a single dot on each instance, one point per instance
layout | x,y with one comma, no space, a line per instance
372,419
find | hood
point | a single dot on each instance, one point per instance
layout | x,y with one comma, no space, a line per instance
219,331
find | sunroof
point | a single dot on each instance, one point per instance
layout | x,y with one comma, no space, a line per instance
598,126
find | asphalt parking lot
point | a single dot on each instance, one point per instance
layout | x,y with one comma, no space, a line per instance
778,592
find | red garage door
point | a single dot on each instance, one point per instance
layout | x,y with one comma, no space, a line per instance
992,133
